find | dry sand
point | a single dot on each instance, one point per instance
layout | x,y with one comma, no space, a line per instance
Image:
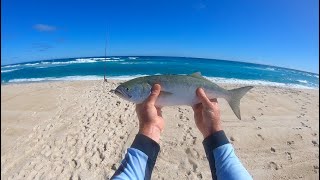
78,130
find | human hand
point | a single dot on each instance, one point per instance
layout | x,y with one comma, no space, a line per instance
207,114
150,118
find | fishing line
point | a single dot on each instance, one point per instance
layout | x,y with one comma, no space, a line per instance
105,61
105,58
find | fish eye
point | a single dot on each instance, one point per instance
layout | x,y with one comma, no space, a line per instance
127,89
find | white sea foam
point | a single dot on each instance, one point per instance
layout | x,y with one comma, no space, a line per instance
74,78
303,81
41,67
271,69
17,65
76,61
231,81
213,79
31,64
10,66
66,78
100,58
8,70
45,62
260,68
112,60
133,57
258,82
128,63
126,77
87,60
311,75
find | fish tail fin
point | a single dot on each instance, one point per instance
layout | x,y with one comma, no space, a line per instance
235,97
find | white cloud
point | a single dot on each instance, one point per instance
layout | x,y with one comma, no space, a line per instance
44,27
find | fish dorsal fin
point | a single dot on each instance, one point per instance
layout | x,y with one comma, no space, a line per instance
196,74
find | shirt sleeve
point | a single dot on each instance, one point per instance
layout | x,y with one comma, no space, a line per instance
224,163
139,159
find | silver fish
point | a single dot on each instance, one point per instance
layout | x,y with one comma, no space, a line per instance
179,90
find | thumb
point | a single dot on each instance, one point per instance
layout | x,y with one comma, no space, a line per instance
203,98
155,91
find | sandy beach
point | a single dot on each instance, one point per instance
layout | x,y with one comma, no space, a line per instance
79,130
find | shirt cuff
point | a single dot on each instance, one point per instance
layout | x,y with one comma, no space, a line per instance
215,140
147,146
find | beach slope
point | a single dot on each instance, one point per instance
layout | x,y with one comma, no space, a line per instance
79,130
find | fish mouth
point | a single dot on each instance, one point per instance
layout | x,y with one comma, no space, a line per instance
120,93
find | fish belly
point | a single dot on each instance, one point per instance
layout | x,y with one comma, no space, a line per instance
183,95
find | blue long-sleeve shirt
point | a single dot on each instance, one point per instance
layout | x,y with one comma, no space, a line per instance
141,157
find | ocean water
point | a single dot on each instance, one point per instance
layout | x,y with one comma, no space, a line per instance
125,67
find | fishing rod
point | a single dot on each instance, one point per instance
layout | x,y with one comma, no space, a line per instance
105,58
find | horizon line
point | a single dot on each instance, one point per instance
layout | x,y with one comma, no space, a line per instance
162,56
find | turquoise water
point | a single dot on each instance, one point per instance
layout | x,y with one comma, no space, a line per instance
125,67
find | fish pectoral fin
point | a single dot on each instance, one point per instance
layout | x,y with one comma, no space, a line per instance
165,93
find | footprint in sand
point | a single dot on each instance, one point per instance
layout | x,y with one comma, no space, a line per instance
232,139
299,136
273,149
289,143
315,143
260,136
273,165
192,153
304,125
199,175
289,157
194,165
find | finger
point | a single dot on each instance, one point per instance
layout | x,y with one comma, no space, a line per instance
155,91
214,103
203,98
214,100
196,106
159,112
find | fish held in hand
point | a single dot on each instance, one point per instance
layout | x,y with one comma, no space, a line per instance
179,90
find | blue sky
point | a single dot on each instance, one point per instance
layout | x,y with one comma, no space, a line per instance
274,32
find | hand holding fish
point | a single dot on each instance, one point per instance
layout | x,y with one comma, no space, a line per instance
207,114
150,118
